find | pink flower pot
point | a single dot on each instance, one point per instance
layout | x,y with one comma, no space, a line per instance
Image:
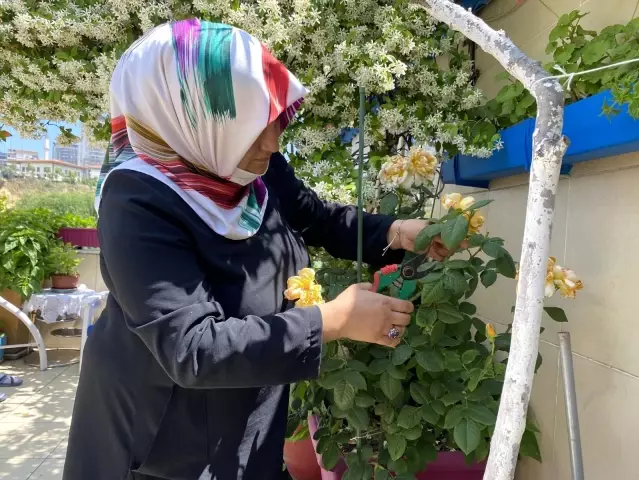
80,237
447,466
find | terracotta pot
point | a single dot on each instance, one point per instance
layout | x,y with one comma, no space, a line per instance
80,237
447,466
301,461
65,282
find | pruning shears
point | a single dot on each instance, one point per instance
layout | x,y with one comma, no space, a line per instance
403,276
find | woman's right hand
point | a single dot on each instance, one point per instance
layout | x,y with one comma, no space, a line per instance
365,316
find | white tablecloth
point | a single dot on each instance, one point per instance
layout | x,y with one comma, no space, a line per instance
54,305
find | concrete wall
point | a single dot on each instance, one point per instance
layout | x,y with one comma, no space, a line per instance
596,233
529,25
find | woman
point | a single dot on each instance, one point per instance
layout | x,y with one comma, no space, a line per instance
185,374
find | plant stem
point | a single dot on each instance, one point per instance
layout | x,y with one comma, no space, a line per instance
360,177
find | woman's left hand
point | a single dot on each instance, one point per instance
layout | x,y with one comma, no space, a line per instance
402,234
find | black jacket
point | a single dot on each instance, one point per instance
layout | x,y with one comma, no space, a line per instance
185,374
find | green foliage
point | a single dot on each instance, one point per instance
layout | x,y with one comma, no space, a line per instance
61,260
29,249
78,204
25,239
574,49
439,389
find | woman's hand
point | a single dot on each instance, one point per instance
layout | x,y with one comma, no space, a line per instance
365,316
402,235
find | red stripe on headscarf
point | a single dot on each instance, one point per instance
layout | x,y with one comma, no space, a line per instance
222,192
118,124
276,78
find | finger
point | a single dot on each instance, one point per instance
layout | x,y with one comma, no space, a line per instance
399,319
397,305
364,286
432,253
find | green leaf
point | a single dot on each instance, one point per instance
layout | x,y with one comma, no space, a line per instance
396,372
437,389
479,204
556,313
454,231
437,332
452,361
430,360
409,417
469,356
356,379
331,456
429,414
506,266
438,406
419,393
414,433
529,446
390,386
467,308
467,435
418,341
396,445
472,286
493,249
364,400
382,474
488,277
454,416
379,365
401,354
455,281
358,418
451,398
344,395
455,264
432,293
481,414
388,204
448,313
425,316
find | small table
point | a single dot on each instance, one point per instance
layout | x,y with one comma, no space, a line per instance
53,306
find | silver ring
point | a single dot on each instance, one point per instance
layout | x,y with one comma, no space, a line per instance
394,333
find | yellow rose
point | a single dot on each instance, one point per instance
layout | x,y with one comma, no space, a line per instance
422,165
570,284
303,289
466,202
394,173
475,222
490,332
451,200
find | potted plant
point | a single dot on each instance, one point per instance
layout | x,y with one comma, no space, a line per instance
78,231
62,263
426,409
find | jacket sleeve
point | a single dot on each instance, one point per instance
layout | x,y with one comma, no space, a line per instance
166,299
329,225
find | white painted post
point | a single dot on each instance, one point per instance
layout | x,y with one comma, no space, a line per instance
548,149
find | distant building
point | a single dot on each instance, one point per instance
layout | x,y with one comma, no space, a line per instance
3,159
54,169
93,156
15,154
67,153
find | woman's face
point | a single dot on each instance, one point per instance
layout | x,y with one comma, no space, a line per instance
258,156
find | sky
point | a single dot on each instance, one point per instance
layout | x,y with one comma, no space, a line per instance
19,143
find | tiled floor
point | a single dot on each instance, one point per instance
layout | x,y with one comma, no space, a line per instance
34,422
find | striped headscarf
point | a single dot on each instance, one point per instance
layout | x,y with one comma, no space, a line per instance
188,100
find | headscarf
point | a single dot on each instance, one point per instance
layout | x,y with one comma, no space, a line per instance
188,99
